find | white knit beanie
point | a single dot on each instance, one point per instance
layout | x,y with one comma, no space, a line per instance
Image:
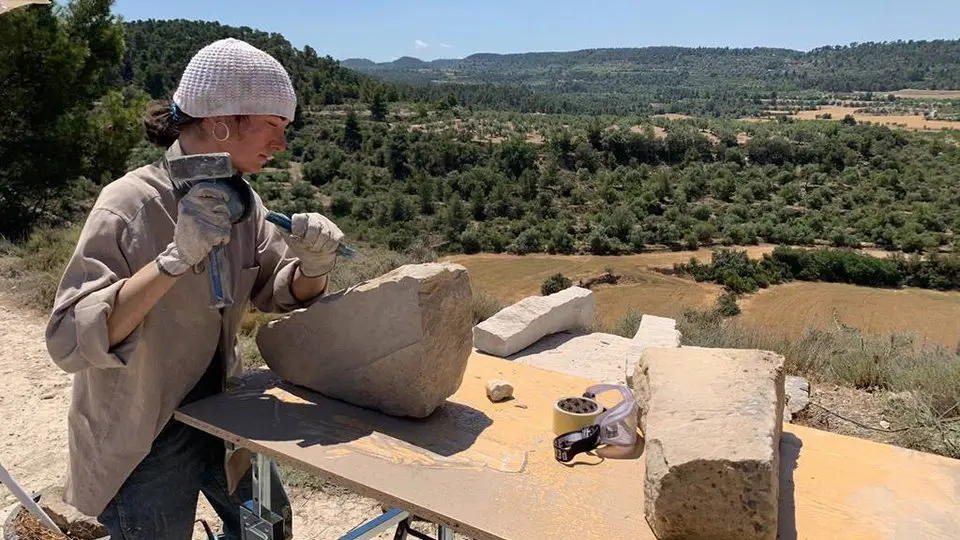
231,77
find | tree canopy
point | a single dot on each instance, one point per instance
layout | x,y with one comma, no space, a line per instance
65,113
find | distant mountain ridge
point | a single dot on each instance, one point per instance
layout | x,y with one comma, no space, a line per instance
859,66
404,61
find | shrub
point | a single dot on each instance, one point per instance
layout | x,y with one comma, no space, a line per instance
39,265
936,271
399,239
485,305
628,325
527,241
838,266
470,241
600,243
341,205
740,274
727,305
555,284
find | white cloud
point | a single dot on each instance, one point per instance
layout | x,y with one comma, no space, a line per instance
420,44
446,46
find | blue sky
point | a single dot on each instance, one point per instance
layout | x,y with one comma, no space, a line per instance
383,30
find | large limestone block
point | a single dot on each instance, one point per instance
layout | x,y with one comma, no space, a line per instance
712,423
516,327
595,356
398,343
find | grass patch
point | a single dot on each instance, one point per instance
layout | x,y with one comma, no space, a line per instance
628,325
33,268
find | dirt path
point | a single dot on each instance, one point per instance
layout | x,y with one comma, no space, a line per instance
33,404
33,411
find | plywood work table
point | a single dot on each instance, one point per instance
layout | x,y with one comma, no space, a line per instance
487,470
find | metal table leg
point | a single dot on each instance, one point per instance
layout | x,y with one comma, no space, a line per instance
257,520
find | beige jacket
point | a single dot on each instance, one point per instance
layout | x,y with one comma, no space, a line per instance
123,395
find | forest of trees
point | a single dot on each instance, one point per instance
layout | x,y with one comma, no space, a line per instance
67,121
856,67
158,51
703,81
603,191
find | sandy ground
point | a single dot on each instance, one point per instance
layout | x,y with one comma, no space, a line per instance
33,409
914,122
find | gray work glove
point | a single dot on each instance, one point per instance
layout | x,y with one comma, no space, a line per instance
313,239
203,221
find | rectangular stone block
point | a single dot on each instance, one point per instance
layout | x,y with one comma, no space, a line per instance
657,332
520,325
712,421
596,356
653,332
398,343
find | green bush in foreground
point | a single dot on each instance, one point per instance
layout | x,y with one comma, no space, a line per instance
555,284
727,304
628,325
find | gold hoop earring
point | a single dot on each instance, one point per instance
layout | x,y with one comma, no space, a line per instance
214,132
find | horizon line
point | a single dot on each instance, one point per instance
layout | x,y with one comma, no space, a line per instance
851,44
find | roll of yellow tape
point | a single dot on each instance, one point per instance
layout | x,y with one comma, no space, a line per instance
573,413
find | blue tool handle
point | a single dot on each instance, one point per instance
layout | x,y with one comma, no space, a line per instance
216,278
284,223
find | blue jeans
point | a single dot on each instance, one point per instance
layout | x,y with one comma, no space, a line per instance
159,499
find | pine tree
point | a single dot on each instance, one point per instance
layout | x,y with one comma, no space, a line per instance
80,124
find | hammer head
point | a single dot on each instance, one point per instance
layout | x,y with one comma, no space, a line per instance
186,170
216,170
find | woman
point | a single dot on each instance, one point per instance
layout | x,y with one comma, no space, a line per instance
132,318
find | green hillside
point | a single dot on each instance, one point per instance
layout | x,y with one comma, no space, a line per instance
715,81
857,67
158,51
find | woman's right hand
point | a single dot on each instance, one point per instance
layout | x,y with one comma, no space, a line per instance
203,221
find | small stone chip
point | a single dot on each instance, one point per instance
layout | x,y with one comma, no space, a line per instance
498,390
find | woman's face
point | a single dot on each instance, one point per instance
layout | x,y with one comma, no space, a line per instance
253,140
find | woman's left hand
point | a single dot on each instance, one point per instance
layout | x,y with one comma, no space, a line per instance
314,240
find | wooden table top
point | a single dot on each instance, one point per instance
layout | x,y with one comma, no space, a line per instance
487,470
